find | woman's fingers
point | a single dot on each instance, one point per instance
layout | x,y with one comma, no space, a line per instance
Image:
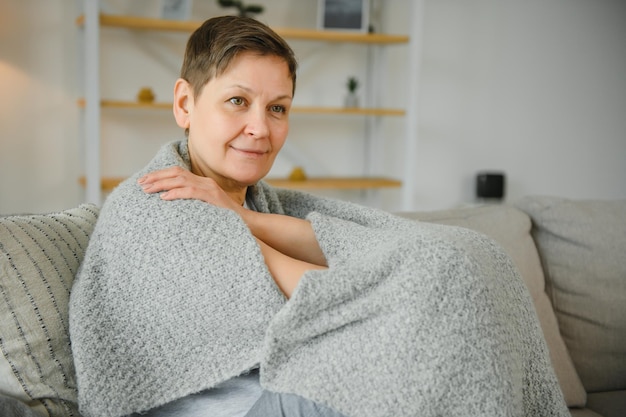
166,179
178,183
162,174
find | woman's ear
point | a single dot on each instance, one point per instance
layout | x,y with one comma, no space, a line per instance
183,100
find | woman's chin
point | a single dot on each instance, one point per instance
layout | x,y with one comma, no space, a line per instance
249,180
246,175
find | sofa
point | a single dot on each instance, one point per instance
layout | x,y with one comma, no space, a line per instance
570,253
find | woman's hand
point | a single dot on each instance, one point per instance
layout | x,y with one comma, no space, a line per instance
179,183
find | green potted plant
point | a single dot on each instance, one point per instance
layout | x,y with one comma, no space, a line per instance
244,11
352,99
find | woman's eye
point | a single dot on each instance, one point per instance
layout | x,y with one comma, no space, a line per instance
278,109
237,101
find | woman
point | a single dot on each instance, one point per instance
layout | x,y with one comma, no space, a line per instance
233,100
205,288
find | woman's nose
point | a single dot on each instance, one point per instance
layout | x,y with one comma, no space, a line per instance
257,123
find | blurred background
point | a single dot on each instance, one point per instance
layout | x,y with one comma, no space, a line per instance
534,89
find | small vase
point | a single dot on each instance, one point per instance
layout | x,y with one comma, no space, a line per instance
351,100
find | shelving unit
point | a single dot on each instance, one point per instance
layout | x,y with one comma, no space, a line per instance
145,23
92,20
109,183
121,104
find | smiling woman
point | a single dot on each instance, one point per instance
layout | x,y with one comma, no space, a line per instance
203,286
233,99
238,123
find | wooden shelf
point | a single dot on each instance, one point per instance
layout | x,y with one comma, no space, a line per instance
145,23
349,183
348,110
106,183
121,104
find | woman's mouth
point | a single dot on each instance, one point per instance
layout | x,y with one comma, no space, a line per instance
250,152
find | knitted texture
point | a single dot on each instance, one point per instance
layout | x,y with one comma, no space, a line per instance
409,319
39,257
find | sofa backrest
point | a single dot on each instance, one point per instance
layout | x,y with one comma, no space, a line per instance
37,249
582,245
511,228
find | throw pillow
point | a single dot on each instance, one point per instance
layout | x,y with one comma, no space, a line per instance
39,257
582,244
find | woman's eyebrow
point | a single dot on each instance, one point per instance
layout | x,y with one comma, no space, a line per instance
250,90
285,96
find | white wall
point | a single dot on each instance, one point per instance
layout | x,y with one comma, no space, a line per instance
39,123
534,88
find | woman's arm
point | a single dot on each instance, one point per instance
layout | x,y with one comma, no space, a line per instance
289,235
285,270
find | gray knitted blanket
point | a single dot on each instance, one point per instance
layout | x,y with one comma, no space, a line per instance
410,318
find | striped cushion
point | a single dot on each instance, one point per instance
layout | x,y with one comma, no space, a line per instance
39,257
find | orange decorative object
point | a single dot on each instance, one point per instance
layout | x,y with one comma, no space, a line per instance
297,174
145,95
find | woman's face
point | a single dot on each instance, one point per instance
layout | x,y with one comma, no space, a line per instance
239,122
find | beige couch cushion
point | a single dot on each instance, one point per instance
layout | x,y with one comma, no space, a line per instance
584,412
583,249
511,229
608,404
39,256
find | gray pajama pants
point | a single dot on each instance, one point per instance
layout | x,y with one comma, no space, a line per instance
272,404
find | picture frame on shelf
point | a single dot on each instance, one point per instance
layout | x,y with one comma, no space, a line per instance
343,15
176,9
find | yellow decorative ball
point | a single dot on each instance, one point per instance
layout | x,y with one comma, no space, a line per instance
145,95
297,174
